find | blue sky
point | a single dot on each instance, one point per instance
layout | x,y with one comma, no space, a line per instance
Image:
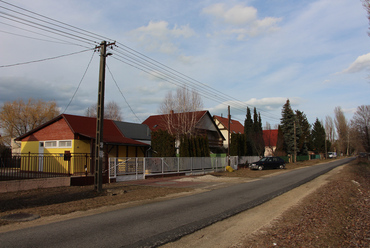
314,53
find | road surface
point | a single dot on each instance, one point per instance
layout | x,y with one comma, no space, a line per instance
161,222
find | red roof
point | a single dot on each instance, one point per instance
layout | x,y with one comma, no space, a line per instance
156,122
270,137
235,126
86,126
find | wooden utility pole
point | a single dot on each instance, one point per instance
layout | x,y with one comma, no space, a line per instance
295,144
228,136
99,143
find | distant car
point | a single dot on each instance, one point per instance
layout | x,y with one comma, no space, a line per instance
268,163
332,154
362,155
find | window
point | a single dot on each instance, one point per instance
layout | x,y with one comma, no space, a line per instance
50,144
65,144
58,144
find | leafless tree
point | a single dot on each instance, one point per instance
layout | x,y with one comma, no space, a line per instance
111,111
342,130
360,125
19,117
330,129
366,4
179,111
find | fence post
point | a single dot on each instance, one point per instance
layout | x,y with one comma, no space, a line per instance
178,164
136,167
144,166
162,165
28,166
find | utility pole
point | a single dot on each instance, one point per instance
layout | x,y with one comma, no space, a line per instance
326,149
295,144
228,136
99,143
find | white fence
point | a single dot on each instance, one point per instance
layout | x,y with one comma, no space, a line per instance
125,169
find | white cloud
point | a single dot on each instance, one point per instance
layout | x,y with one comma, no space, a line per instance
158,36
361,63
237,15
244,19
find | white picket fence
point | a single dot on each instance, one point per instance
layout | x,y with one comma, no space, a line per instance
125,169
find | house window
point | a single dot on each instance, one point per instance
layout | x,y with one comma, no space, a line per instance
65,144
58,144
50,144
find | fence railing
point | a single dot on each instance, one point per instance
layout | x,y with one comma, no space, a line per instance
138,168
35,165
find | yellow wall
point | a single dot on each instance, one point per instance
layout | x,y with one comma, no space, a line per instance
30,146
53,158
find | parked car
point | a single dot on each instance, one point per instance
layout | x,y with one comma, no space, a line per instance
362,155
332,154
268,163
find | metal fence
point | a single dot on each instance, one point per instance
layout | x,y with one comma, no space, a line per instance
35,165
124,169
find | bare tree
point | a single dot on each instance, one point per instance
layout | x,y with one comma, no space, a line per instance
366,4
360,126
111,111
330,129
18,117
342,130
179,111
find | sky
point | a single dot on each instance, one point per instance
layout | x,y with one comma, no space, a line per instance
237,53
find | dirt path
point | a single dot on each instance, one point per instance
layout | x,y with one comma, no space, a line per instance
233,231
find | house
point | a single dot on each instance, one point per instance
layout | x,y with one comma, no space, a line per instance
197,122
270,138
223,124
72,134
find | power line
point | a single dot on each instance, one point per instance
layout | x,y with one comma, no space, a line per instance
41,60
124,53
61,41
122,93
88,65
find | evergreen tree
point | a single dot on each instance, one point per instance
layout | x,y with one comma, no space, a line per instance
318,137
303,133
248,130
257,135
280,143
163,144
234,142
287,126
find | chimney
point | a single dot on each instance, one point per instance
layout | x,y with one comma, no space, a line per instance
171,112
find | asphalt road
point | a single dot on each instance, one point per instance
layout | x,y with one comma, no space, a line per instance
157,223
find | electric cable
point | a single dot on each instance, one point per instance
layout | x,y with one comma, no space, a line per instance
124,53
83,76
122,93
41,60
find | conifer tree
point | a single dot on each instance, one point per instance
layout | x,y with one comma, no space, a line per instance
248,130
280,143
303,133
163,144
287,126
318,137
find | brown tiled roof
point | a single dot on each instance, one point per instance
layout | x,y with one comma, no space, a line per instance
156,122
270,137
235,126
86,126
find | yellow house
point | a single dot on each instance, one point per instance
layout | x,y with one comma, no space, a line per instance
49,146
